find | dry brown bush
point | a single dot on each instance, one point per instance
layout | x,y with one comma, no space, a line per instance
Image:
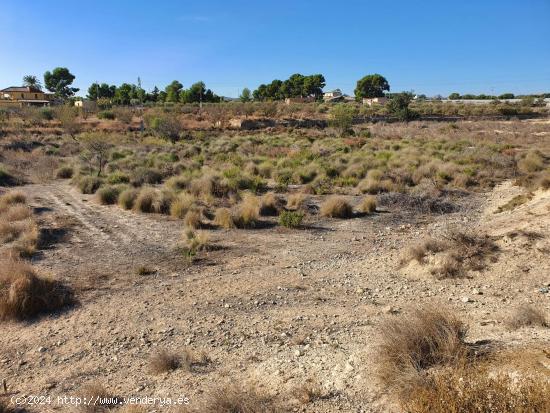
247,213
474,389
296,201
24,294
270,204
182,204
367,204
193,218
336,207
165,361
102,400
410,344
462,252
528,315
239,399
223,218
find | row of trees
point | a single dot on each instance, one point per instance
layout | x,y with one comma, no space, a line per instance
126,93
58,81
296,86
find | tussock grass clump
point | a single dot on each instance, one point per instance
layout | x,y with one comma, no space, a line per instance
181,205
224,218
144,200
532,162
88,184
193,218
150,200
162,202
165,361
477,389
127,198
367,205
296,201
118,177
270,204
240,399
291,219
459,252
24,294
528,315
144,270
336,207
413,343
195,242
64,172
108,195
103,399
247,213
374,184
11,198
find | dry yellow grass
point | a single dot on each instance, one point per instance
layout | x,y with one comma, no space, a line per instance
24,294
296,201
367,204
336,207
223,218
247,213
528,315
411,343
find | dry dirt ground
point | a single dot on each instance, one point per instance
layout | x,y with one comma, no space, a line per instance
273,306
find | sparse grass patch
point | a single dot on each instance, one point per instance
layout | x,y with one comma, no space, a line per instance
103,399
64,172
336,207
144,270
181,205
164,361
88,184
367,205
224,218
127,198
247,213
296,201
270,204
476,389
25,295
515,202
420,340
459,252
240,399
527,315
108,195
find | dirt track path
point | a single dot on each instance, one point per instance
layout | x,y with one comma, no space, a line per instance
275,306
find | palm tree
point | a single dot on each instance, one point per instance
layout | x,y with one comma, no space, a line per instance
32,81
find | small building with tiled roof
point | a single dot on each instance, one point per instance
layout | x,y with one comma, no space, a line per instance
24,96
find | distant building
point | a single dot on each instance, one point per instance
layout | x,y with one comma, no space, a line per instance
307,99
86,104
375,101
24,96
333,95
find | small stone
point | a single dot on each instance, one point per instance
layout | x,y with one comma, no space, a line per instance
466,300
42,349
298,353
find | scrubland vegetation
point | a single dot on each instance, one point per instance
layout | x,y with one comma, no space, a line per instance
217,201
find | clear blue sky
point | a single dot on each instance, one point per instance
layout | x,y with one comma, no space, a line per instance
431,47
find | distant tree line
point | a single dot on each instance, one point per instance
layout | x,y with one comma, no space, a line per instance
127,94
296,86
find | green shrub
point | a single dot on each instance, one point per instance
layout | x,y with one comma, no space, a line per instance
89,184
106,114
118,177
65,172
291,219
127,198
108,195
